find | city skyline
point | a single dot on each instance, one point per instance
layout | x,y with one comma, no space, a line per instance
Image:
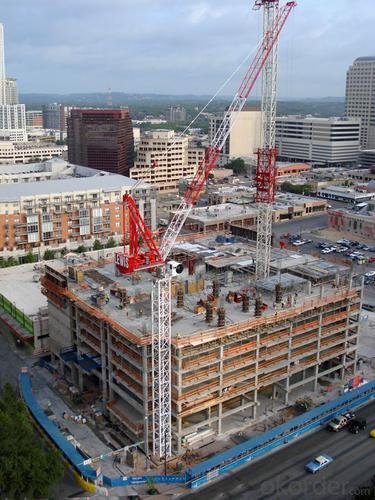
174,48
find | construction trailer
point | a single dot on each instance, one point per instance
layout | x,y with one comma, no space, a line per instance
232,354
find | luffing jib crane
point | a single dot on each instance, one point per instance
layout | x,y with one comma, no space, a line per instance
150,259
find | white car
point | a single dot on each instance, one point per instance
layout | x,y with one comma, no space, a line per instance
369,274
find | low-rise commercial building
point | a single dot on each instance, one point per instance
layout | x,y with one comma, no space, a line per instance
359,222
341,193
27,152
244,214
56,204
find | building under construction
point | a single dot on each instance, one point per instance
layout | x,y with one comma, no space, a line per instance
236,342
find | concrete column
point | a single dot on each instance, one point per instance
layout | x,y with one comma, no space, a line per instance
80,374
145,395
104,361
220,407
255,407
109,363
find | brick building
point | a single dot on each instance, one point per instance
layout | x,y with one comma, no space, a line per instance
56,204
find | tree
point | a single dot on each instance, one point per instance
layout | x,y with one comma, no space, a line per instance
28,467
48,255
81,249
29,257
11,261
238,166
305,189
97,245
111,242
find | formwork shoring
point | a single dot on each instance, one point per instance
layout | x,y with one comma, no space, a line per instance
219,371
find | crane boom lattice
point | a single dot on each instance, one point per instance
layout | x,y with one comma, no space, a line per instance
161,296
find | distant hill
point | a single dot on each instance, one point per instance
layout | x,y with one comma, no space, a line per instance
143,104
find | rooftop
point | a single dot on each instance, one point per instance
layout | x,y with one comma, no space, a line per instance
63,177
102,281
21,286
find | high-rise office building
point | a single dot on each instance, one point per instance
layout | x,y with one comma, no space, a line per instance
12,114
177,114
321,141
101,139
360,97
245,134
11,92
51,116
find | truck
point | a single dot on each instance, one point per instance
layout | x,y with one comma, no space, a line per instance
340,422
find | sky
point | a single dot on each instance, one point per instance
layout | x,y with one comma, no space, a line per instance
178,46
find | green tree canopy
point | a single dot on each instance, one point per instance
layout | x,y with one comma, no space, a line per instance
11,261
111,242
81,249
28,467
238,166
97,245
48,255
296,188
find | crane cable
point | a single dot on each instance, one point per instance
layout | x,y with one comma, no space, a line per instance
188,127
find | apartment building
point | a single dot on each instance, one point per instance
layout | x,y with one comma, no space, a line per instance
245,134
26,152
231,355
34,118
320,141
360,97
164,159
56,204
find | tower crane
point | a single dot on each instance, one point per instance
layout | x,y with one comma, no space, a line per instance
156,259
266,155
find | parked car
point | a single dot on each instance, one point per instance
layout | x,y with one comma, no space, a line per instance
318,463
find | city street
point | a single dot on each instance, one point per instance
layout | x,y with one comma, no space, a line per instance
281,475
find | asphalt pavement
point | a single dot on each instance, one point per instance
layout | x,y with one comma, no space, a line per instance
281,475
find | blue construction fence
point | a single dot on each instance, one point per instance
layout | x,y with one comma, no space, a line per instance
259,445
213,467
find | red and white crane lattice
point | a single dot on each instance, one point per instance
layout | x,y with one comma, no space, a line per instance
136,259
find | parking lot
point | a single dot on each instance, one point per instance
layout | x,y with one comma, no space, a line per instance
301,236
